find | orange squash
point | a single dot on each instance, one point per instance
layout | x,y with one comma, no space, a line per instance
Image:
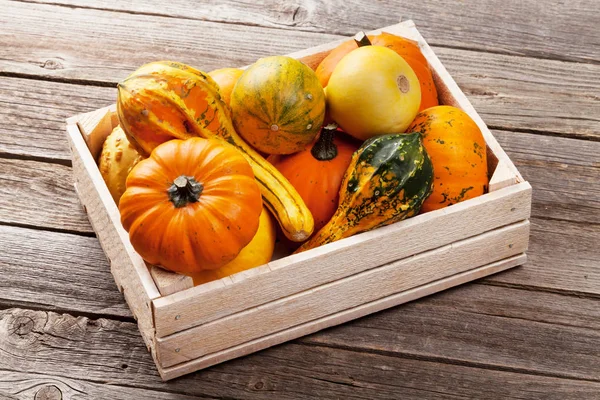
192,205
278,105
408,49
458,152
165,100
317,171
226,78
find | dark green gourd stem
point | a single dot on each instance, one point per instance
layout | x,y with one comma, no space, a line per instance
325,149
184,190
361,39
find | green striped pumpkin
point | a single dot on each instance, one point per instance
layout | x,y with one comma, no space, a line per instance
278,105
388,180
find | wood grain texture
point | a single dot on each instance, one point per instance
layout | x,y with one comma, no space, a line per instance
343,294
278,278
127,267
509,92
339,318
169,282
98,351
33,113
562,256
36,270
512,26
28,386
40,194
564,172
521,331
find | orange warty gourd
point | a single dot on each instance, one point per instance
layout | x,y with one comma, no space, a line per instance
408,49
167,100
458,152
226,78
278,105
317,171
191,205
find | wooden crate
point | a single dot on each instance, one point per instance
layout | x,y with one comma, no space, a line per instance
188,328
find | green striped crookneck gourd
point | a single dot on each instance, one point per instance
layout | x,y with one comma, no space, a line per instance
167,100
388,180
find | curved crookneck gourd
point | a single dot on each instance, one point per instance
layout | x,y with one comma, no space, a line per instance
388,179
165,100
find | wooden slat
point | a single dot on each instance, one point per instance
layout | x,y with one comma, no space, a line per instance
33,113
57,271
40,194
565,174
128,268
561,255
507,328
343,294
339,318
56,387
493,25
277,279
99,351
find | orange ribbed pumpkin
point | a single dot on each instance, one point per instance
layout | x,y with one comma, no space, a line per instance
193,205
408,49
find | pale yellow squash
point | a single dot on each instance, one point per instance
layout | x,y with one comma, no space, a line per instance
373,91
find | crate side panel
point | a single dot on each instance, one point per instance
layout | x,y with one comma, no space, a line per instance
343,294
334,261
127,267
339,318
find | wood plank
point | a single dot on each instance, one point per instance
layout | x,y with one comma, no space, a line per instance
33,113
561,256
350,292
40,194
127,267
493,25
57,271
519,330
508,91
528,94
99,351
278,278
55,387
565,174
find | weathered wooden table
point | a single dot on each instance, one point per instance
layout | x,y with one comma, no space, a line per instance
531,69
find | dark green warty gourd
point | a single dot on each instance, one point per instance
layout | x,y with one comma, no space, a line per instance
388,180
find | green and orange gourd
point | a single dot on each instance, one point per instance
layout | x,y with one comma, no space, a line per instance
387,181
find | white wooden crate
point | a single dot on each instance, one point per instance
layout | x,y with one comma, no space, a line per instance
188,328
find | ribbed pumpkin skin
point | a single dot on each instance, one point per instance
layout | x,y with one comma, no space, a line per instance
165,100
408,49
317,181
458,153
205,234
278,105
387,181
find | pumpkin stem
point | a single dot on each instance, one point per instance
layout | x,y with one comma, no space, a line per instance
361,39
324,149
184,190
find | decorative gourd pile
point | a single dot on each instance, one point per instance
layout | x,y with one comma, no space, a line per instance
194,169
